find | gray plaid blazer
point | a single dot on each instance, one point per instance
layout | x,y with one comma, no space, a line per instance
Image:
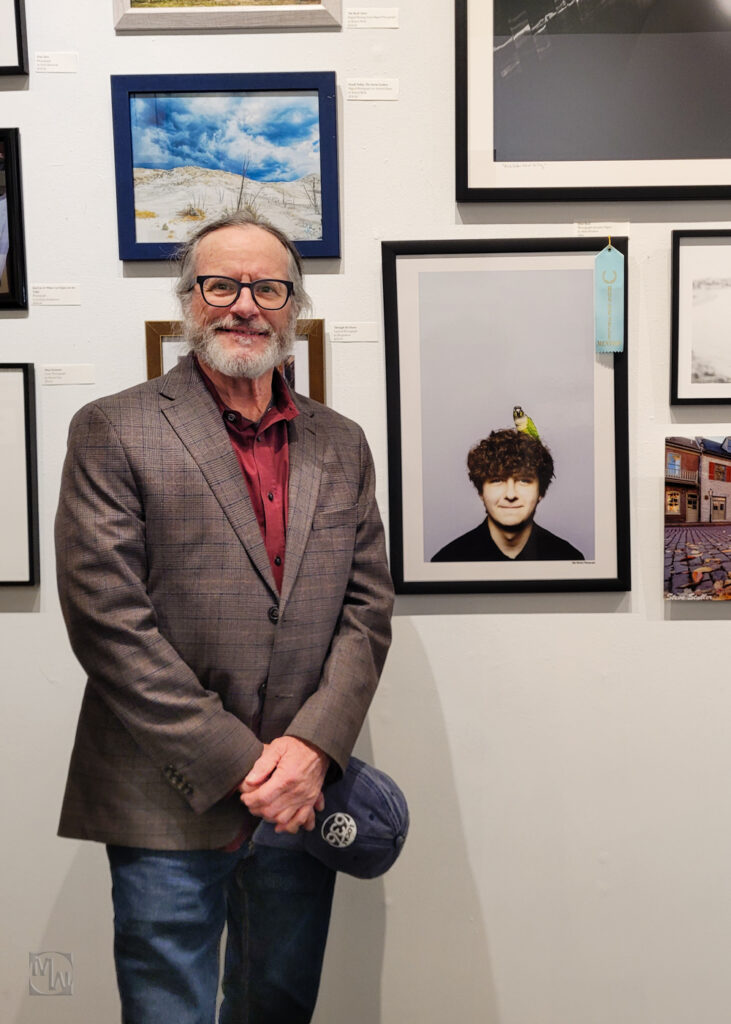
172,610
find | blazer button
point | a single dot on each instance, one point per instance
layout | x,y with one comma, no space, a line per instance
273,614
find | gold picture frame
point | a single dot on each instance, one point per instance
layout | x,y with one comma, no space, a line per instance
311,333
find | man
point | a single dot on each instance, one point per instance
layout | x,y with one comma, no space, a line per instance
223,577
511,471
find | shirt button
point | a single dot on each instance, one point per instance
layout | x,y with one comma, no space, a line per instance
270,496
231,417
273,614
277,560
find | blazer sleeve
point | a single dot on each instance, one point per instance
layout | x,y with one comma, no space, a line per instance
333,715
113,629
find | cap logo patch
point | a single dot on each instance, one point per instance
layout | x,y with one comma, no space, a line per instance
339,830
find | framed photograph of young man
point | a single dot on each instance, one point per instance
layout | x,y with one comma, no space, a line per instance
190,148
19,549
592,100
221,15
13,285
508,451
701,314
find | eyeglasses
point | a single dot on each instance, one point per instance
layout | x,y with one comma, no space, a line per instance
224,291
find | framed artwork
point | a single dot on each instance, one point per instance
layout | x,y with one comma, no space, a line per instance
203,15
13,41
304,370
698,518
189,148
592,100
19,553
508,448
700,372
13,284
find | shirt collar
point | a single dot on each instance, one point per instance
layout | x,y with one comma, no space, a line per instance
281,403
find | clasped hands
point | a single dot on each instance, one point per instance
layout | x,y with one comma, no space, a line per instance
285,784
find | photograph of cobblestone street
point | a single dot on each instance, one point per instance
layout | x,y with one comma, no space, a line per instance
698,562
698,518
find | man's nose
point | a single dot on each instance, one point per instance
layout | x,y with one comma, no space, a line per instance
245,305
510,492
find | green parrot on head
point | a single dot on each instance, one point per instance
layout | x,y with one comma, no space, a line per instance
524,424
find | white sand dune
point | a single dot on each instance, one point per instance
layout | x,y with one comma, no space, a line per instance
170,205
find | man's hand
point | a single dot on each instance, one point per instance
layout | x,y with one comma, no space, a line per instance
285,784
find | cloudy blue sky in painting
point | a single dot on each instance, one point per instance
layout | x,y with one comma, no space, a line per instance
276,133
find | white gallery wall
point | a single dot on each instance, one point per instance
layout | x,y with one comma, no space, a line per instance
567,757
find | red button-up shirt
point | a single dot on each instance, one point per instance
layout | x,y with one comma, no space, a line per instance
263,452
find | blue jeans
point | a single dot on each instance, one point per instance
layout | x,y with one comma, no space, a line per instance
169,911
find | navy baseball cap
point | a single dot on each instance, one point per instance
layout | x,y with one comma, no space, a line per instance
360,830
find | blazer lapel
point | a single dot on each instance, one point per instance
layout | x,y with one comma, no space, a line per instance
305,472
193,415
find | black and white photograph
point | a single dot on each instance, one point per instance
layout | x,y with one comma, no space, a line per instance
598,98
517,482
701,314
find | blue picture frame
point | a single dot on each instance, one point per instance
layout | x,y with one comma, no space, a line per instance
161,122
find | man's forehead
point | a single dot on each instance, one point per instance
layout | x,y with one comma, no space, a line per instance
241,241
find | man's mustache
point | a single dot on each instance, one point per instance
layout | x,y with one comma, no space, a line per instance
232,321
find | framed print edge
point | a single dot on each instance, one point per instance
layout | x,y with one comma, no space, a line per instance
313,329
20,65
29,543
17,295
548,179
155,332
618,578
681,348
325,14
322,82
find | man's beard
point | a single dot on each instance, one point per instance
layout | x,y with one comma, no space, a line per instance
240,361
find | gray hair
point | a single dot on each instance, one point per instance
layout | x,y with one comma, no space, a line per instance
186,257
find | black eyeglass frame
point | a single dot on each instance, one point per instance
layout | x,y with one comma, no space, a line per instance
243,284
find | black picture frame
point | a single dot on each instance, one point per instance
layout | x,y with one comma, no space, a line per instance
19,538
13,39
700,363
535,108
315,198
472,328
13,283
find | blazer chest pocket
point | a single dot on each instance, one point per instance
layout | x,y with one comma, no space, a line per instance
335,517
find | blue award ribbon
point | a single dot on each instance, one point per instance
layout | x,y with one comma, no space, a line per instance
609,300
